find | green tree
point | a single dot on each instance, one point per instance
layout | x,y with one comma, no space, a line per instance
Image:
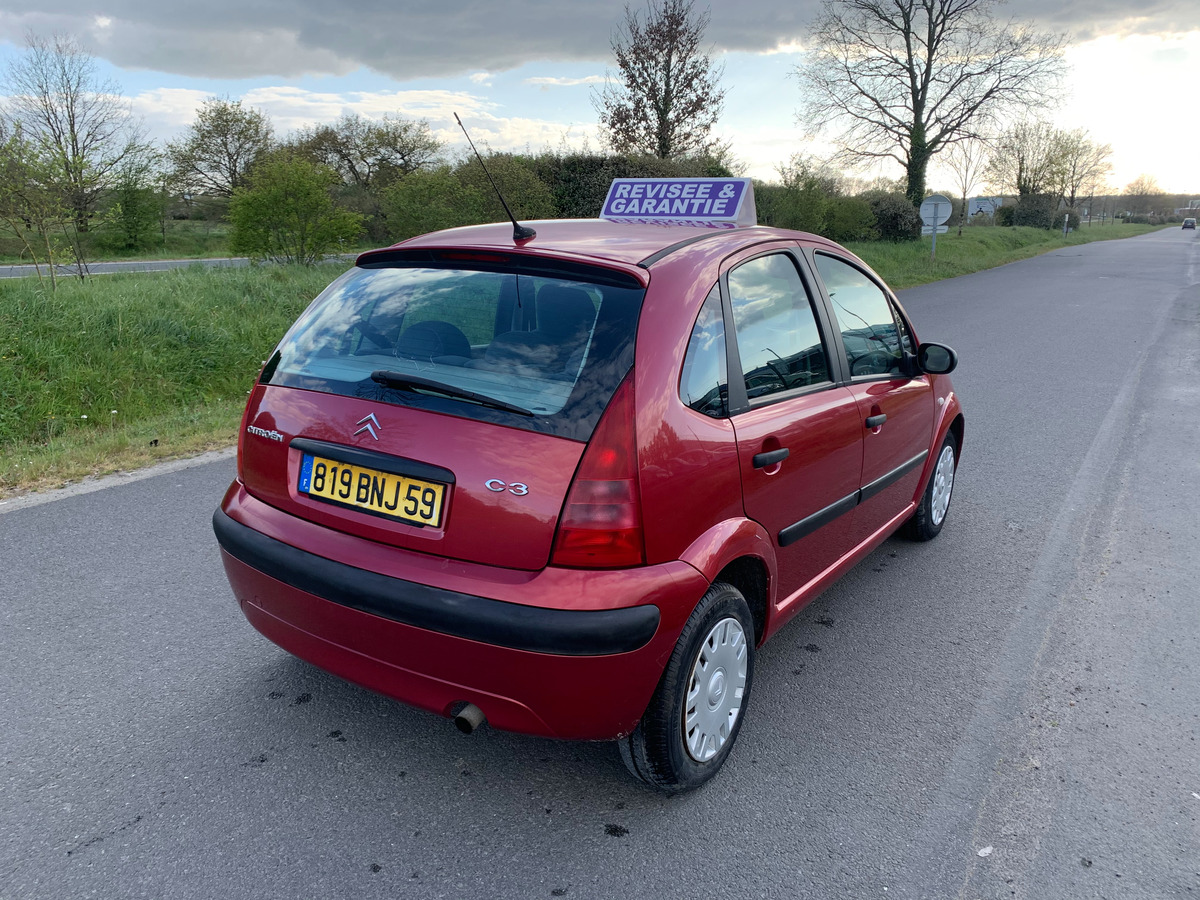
218,150
903,79
370,153
666,96
78,125
135,215
32,209
286,214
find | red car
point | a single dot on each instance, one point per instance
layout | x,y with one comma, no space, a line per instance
513,480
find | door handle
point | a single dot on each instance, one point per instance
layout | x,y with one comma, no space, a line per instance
876,421
770,457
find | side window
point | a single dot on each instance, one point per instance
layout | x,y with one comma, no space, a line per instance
777,334
872,332
705,385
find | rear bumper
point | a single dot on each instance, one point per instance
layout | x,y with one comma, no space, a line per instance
559,653
559,631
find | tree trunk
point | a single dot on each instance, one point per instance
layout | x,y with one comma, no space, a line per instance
918,162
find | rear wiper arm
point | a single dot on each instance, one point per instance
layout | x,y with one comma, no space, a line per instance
417,384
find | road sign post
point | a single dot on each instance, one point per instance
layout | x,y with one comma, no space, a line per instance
934,212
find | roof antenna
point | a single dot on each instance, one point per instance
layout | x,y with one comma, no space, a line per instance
520,232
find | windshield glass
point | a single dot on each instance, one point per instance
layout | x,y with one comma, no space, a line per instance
537,352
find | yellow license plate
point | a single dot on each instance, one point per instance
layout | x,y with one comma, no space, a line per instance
382,493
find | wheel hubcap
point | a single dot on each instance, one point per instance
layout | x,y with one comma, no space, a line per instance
943,484
716,686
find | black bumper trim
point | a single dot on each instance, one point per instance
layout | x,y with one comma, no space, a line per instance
558,631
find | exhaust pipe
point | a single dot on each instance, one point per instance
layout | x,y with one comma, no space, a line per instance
469,718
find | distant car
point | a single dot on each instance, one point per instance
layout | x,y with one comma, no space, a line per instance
569,484
1189,223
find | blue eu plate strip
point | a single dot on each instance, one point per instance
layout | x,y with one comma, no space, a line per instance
306,474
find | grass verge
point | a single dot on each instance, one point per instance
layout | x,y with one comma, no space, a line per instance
115,372
124,371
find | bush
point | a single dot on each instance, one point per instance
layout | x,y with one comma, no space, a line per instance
579,182
1037,211
432,199
429,200
801,209
1005,216
849,219
286,214
516,178
895,218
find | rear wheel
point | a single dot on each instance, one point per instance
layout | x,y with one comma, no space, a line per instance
696,712
927,521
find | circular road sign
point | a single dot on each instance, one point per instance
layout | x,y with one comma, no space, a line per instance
936,209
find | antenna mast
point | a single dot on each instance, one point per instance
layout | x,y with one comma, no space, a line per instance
520,232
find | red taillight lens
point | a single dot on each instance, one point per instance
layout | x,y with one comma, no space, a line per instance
601,523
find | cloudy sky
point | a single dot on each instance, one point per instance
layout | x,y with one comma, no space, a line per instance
521,72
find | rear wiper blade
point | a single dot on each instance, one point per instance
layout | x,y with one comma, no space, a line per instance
417,384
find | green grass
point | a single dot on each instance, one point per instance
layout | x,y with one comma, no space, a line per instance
92,373
979,247
125,370
182,239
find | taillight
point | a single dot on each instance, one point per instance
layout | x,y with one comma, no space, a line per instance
601,523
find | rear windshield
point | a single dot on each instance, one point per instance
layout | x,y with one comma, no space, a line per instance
532,351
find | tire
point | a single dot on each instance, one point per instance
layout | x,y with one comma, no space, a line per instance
931,512
679,745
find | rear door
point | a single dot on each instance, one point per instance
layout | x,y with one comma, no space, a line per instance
799,434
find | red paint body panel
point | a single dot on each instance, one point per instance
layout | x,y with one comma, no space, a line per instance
479,525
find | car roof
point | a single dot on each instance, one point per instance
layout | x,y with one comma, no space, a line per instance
599,240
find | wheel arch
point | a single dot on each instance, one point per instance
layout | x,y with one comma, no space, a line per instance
739,552
749,575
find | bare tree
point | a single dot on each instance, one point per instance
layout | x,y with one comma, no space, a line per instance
1082,165
903,79
78,123
1026,159
220,147
967,160
370,154
666,96
1142,194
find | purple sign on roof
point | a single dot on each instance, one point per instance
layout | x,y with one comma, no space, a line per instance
709,202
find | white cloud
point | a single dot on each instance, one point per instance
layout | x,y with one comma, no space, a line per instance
565,82
168,111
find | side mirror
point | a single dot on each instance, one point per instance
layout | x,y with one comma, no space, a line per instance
936,359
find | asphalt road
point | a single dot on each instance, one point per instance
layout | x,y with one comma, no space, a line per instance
112,268
1011,710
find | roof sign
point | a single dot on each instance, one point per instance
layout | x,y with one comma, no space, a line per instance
708,202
